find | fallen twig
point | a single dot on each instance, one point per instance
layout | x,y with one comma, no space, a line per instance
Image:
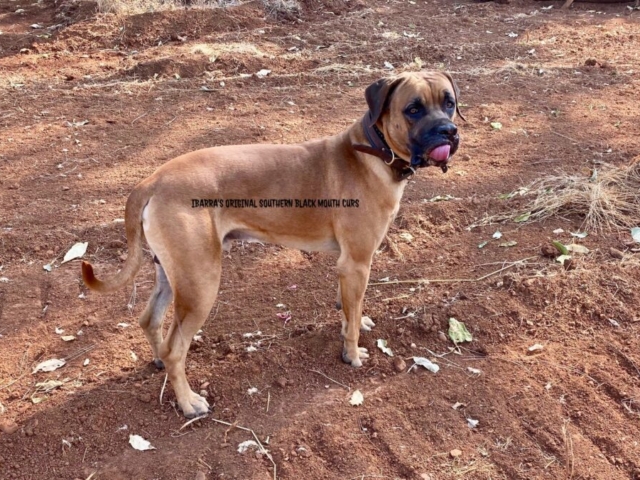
262,449
453,280
164,384
193,420
568,442
331,379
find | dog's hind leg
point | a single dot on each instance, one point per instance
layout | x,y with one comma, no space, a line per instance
153,316
195,287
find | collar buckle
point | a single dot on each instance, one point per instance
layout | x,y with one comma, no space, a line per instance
393,159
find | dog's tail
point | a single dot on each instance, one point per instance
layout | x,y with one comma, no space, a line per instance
133,225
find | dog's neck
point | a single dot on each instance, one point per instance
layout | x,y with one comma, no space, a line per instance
379,147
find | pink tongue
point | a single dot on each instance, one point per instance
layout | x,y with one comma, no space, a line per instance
441,153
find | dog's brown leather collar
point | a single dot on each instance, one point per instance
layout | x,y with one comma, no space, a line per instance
380,148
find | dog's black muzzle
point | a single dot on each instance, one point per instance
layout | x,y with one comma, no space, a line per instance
434,143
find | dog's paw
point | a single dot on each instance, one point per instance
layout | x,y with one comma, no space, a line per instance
366,324
356,362
194,406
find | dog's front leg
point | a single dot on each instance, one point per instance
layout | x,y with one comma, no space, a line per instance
353,277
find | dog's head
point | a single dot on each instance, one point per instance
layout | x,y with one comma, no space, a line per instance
415,112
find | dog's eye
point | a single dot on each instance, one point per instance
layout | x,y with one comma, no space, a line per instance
414,110
449,104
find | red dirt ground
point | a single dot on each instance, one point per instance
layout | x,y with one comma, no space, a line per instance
565,90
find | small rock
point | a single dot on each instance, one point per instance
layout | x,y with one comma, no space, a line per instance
281,382
123,257
533,349
204,393
590,62
9,427
200,476
615,253
426,476
144,397
442,336
569,264
64,189
304,451
465,158
455,453
29,430
399,364
549,251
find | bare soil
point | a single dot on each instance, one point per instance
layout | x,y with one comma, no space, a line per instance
565,90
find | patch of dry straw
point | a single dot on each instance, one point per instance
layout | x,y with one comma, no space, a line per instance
608,199
134,7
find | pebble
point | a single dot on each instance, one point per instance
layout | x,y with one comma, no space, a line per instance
9,427
281,381
399,364
144,397
442,336
64,189
549,251
426,476
200,476
455,453
533,349
615,253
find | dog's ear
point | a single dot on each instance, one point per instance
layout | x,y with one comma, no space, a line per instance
378,94
456,90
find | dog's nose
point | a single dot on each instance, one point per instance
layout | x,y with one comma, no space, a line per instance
448,129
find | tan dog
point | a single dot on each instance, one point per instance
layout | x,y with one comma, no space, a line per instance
193,205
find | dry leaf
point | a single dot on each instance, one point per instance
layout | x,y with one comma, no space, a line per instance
244,446
77,251
139,443
426,363
356,398
49,365
382,345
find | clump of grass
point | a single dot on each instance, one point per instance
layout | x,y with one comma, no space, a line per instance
133,7
608,199
281,8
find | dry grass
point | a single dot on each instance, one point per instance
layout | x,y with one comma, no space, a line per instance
275,8
133,7
281,8
608,199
